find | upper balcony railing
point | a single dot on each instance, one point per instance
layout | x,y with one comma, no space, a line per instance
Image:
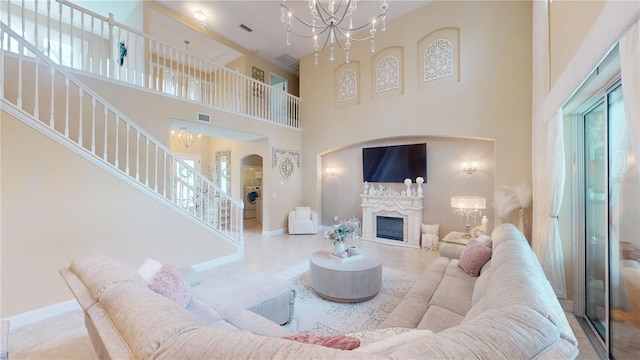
54,101
78,38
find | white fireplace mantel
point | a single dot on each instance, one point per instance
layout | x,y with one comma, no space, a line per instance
409,208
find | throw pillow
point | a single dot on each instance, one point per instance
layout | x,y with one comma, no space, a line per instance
485,240
303,212
169,283
430,229
474,256
148,269
342,342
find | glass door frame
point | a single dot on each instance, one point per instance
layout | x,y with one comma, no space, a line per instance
578,192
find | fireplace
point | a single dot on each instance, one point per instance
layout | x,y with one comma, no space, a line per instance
389,227
392,219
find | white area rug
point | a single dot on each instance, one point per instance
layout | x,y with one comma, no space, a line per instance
315,315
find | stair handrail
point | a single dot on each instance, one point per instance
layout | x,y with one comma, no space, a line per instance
196,76
209,193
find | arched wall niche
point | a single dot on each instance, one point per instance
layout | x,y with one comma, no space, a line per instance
439,58
342,186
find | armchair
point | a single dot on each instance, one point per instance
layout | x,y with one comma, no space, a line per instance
303,220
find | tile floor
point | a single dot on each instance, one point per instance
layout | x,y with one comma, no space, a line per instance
65,337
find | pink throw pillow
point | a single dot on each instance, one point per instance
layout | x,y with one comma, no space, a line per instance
474,256
342,342
169,283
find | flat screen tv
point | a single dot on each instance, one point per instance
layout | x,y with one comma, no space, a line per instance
393,164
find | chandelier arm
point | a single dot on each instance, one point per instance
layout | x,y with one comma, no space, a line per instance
300,19
341,31
309,36
367,24
344,14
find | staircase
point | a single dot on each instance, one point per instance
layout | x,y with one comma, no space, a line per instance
46,96
83,40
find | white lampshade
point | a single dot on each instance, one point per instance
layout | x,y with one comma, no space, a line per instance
468,202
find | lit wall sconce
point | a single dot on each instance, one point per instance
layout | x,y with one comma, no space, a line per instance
469,169
331,171
200,16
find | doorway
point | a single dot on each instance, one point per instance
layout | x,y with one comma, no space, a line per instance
278,100
252,187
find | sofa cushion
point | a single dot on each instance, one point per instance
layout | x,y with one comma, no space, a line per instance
438,318
371,336
392,342
407,314
453,294
474,256
170,283
98,272
144,319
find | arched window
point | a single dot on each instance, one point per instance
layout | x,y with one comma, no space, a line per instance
438,60
347,85
387,74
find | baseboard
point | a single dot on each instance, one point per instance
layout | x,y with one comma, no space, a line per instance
567,305
216,262
44,313
274,232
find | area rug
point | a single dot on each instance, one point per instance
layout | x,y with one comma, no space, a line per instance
315,315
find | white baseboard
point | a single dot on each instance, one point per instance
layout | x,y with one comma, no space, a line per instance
44,313
274,232
216,262
567,305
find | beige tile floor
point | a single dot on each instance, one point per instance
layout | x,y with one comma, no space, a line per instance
65,337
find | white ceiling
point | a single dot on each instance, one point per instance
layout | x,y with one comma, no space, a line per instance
268,38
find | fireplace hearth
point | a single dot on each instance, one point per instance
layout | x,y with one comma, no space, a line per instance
389,227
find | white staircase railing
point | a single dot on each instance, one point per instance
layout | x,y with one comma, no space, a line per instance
78,38
49,94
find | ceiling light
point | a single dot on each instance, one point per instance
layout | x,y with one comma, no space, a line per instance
331,23
200,16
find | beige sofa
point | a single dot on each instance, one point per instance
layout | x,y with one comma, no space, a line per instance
508,312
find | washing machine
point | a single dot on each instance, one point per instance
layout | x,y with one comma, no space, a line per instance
251,194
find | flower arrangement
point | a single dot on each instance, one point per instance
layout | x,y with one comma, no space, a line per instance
343,230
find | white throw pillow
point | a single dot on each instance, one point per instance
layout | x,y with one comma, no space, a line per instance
303,212
430,229
148,269
485,240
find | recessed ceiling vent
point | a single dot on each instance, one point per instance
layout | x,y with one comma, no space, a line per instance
245,28
204,117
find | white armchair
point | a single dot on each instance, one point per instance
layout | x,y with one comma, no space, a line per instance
303,220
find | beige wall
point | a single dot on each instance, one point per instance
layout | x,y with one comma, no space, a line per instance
491,101
341,192
57,206
248,60
569,22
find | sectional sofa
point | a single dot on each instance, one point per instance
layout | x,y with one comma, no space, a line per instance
508,312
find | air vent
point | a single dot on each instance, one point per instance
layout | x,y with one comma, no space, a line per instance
245,28
204,117
286,59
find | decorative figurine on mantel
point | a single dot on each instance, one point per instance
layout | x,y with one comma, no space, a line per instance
407,182
366,188
419,181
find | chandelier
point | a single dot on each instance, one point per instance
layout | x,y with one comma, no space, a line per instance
187,138
332,24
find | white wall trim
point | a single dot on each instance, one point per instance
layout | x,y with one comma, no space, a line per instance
44,313
216,262
274,232
567,305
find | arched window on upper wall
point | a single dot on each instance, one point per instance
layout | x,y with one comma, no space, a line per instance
438,60
387,72
347,84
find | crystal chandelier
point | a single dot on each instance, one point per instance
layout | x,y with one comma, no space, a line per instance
332,24
185,137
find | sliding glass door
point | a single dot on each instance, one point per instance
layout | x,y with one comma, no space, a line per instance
610,229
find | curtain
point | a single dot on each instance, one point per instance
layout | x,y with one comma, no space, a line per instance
630,69
549,248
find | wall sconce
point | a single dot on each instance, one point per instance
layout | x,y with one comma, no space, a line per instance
331,171
469,169
200,16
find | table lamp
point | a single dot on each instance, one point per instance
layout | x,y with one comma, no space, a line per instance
468,206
